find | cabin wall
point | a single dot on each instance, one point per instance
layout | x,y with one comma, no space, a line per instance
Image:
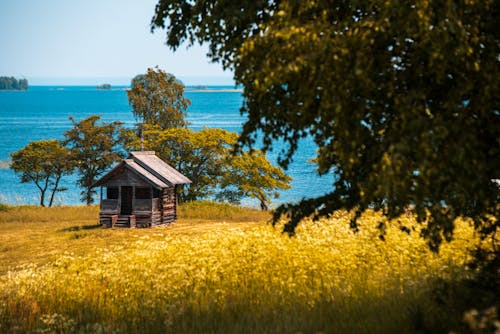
141,209
155,217
169,205
126,178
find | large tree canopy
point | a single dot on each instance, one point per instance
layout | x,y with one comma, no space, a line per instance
402,97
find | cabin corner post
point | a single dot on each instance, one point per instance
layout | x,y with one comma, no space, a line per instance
175,202
151,200
119,199
133,199
161,208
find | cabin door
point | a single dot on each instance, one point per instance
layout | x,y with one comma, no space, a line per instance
126,202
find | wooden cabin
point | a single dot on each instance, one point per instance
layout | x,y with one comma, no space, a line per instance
139,192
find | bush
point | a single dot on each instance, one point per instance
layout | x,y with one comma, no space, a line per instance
4,207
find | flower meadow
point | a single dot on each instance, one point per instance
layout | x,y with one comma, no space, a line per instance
232,279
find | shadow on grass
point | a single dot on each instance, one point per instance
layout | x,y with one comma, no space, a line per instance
80,228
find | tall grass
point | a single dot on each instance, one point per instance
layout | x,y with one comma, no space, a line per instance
201,210
37,214
207,210
237,280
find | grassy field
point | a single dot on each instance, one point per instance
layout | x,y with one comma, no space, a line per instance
221,269
35,235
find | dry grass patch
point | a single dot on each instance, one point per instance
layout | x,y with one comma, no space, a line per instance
206,210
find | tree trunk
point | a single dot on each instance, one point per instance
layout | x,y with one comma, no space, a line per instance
89,196
42,192
263,203
54,190
42,198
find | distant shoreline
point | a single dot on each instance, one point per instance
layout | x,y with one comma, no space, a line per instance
224,90
187,89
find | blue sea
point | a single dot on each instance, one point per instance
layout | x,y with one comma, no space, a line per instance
43,112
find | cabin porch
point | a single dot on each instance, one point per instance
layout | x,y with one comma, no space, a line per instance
130,206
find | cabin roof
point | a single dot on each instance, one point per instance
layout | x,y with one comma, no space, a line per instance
150,168
158,167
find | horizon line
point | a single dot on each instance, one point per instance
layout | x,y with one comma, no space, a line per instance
188,80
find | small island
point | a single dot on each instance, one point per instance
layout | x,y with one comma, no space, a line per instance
11,83
104,87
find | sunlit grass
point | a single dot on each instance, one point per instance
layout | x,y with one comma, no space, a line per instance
31,234
221,212
206,276
36,214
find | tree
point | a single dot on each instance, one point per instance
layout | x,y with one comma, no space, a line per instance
206,158
11,83
400,96
95,149
105,86
43,162
250,174
196,154
157,99
23,84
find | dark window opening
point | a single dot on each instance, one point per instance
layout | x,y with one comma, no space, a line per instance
156,193
142,193
112,193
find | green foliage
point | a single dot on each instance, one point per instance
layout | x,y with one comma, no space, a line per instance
157,99
4,207
400,96
11,83
43,162
250,174
95,148
206,158
223,24
483,322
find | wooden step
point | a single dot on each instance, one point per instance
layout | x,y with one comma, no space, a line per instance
125,221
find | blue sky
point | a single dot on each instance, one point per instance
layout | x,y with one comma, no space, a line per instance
93,41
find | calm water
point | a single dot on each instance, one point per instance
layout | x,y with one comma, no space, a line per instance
42,113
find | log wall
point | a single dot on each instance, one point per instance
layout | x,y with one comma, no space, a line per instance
169,207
